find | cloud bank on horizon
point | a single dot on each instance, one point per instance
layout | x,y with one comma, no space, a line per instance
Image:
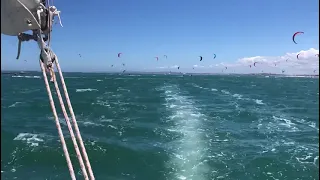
308,63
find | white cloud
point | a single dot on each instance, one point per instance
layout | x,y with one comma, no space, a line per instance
308,61
198,66
229,65
162,67
174,67
251,60
168,67
306,57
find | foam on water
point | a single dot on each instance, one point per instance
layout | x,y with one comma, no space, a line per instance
187,159
85,90
228,93
29,138
32,77
15,104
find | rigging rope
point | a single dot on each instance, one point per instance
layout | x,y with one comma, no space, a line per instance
45,14
51,57
63,142
75,124
69,125
78,135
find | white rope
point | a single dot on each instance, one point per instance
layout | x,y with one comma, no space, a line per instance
75,124
63,142
83,168
78,135
45,13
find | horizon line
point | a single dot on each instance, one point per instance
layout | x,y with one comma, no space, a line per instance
161,72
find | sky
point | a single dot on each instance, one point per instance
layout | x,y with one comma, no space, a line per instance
236,31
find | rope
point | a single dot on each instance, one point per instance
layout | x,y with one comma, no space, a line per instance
78,135
66,153
75,124
84,172
64,146
47,57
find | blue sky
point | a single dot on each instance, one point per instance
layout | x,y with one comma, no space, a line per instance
182,30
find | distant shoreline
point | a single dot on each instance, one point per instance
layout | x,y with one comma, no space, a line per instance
16,72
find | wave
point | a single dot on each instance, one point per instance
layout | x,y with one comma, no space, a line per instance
33,77
85,90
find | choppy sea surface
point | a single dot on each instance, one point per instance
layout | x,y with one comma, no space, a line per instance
165,127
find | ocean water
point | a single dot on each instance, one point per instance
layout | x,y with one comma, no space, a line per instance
161,127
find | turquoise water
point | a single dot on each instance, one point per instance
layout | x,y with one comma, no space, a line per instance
156,127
